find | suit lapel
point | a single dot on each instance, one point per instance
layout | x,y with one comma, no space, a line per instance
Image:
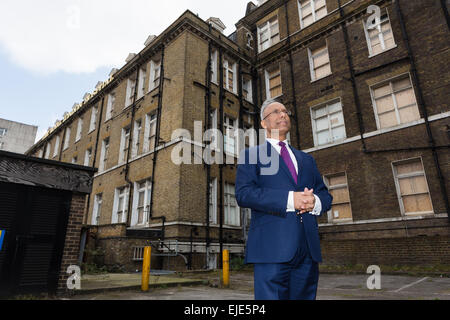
298,156
283,164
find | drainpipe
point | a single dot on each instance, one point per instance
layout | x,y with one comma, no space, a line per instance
157,137
352,77
294,100
445,11
421,103
221,95
208,166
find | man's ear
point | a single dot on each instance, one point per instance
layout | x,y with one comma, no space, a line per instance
263,124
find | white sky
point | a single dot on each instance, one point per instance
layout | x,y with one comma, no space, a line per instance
79,36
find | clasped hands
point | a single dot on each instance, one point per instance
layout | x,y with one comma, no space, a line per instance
304,201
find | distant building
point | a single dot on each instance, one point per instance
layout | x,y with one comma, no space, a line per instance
15,136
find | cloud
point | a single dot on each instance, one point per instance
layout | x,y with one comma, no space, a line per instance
79,36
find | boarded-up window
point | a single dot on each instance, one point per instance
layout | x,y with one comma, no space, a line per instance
268,34
340,207
395,102
328,123
311,11
319,61
412,188
273,83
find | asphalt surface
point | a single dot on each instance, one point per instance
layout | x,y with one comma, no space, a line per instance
207,286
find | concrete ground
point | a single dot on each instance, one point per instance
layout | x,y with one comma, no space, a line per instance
206,286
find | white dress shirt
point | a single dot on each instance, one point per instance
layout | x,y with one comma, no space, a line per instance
290,204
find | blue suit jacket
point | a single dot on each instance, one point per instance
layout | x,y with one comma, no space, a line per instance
274,233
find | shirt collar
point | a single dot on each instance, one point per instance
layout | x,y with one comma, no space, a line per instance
274,143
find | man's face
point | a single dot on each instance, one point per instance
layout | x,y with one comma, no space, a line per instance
276,117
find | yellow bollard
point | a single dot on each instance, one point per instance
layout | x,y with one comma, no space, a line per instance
226,268
146,268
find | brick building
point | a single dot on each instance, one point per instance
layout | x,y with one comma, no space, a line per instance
369,100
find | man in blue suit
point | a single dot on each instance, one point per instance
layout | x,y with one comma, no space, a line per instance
285,192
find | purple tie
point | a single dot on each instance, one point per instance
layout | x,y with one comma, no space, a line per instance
287,159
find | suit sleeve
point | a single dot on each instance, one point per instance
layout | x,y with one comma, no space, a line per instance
249,194
320,189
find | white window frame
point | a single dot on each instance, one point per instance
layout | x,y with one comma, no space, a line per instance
110,106
93,122
314,54
104,155
141,82
230,134
267,80
147,189
313,11
56,147
96,210
229,202
268,27
79,129
397,186
121,192
380,35
214,72
247,86
155,75
124,144
397,114
331,139
150,121
213,201
131,85
47,150
226,70
136,138
87,157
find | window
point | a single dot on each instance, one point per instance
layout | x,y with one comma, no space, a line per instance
141,203
3,132
273,83
268,34
75,160
66,138
229,76
394,102
214,66
110,106
310,11
231,209
47,150
319,62
131,87
124,144
380,38
41,153
213,201
136,138
93,119
150,133
214,132
247,90
412,188
120,205
87,157
155,70
338,188
229,139
79,129
56,147
328,123
104,155
141,88
97,209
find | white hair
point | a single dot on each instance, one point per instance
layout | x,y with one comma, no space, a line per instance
265,104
